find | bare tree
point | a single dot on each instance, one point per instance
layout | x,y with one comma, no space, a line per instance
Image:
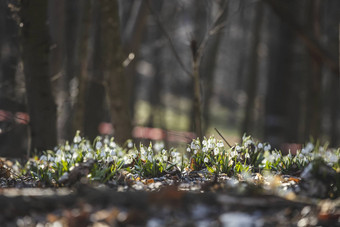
35,49
112,64
198,49
251,84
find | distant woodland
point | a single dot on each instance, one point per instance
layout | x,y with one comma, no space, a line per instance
168,70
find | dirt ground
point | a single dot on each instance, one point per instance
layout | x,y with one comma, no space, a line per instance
171,205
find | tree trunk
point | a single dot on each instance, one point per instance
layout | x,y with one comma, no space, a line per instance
279,89
78,120
95,89
9,52
112,59
208,65
197,98
251,82
314,87
35,48
133,24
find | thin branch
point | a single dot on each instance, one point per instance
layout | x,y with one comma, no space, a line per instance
172,46
215,27
222,137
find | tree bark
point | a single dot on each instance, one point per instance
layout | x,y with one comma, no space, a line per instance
68,84
9,52
279,97
208,64
95,89
78,120
35,49
251,82
314,110
112,59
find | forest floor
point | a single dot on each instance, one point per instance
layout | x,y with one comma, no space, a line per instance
195,199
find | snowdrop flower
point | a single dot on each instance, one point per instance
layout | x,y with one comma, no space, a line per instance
220,144
248,143
112,144
150,158
188,149
233,154
165,158
102,154
300,156
289,155
106,140
192,145
75,155
109,159
67,146
127,159
176,154
77,138
210,145
309,147
195,151
142,151
247,155
163,151
270,158
130,144
238,148
106,149
212,140
43,158
331,157
267,147
75,147
260,145
216,151
305,159
99,145
112,152
88,146
158,146
59,152
57,159
89,155
206,159
204,149
276,155
204,142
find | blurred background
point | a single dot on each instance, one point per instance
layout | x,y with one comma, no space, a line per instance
131,69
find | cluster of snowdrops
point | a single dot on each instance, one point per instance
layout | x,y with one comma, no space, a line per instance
142,161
